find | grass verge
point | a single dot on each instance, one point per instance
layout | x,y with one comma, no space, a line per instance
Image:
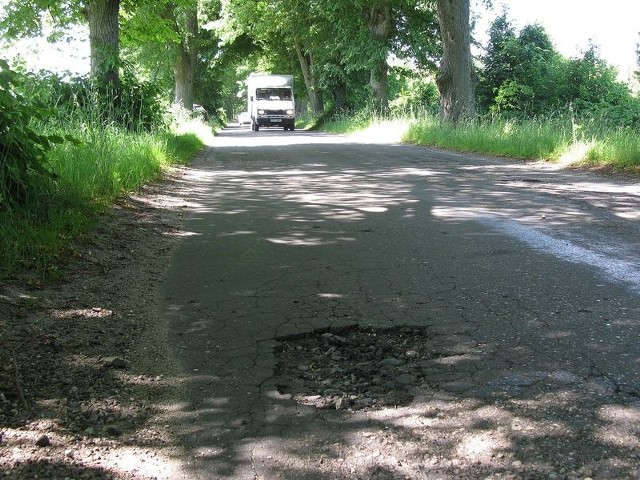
90,176
556,139
503,138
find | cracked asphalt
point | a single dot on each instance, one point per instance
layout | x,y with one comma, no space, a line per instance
526,277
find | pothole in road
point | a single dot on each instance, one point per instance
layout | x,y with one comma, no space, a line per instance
354,367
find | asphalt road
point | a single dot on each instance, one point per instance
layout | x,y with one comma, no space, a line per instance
526,276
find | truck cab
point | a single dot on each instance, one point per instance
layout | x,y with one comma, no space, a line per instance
270,101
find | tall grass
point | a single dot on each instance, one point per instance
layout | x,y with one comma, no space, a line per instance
619,149
557,138
107,163
115,161
521,139
349,122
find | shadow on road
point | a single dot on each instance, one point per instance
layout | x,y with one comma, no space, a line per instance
503,264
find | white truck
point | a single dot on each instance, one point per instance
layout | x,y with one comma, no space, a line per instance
270,101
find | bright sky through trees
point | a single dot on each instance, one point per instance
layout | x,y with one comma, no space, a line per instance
612,25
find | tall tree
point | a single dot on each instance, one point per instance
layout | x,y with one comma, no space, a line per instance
498,61
455,80
104,40
166,37
187,55
405,29
381,26
333,40
307,65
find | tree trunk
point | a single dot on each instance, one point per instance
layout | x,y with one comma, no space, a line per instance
455,77
186,59
339,92
104,40
315,96
183,78
379,86
380,22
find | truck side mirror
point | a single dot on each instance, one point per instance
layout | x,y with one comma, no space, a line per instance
251,98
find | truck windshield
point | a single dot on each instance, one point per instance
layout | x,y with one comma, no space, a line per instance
273,94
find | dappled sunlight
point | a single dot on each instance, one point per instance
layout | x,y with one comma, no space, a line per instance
620,426
576,152
186,234
301,240
393,238
118,459
436,433
238,233
453,360
482,447
331,295
74,313
386,132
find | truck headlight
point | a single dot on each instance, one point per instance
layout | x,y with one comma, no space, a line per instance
289,112
260,112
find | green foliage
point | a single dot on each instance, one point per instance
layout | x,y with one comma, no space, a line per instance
91,175
22,149
619,148
637,72
520,71
523,76
412,91
135,105
549,138
337,38
521,139
25,19
349,122
114,153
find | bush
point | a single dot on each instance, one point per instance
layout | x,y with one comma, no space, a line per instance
22,149
134,105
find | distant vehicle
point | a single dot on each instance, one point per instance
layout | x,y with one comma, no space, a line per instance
270,101
244,119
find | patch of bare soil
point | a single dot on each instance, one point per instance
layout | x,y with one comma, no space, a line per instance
83,360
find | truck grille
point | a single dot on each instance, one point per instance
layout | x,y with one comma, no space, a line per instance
274,112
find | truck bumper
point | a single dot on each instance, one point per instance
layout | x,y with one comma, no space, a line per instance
280,121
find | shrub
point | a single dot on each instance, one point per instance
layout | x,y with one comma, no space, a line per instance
133,104
22,149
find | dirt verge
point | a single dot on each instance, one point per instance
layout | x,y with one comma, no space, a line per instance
84,360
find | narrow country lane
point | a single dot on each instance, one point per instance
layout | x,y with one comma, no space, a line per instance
520,282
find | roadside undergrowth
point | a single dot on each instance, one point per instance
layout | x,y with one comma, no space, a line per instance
105,164
554,139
